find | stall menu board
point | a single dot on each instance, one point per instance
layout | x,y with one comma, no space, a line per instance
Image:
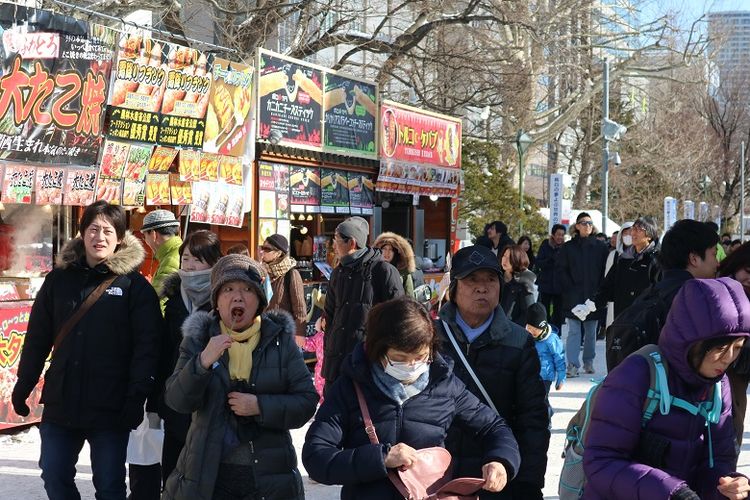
281,182
14,318
18,182
49,185
414,136
290,99
273,191
411,178
54,86
80,186
350,116
217,203
304,188
361,193
334,191
229,106
180,191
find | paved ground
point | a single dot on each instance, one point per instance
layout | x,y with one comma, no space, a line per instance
19,473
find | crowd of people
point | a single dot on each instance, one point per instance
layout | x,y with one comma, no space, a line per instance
213,347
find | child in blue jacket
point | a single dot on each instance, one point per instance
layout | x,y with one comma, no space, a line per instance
549,347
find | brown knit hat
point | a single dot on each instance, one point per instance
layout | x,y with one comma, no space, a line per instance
237,267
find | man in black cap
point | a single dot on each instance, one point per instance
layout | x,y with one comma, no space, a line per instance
482,341
362,280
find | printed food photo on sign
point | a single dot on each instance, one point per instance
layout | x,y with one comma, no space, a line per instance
140,78
80,186
56,73
114,158
49,185
230,170
209,167
180,191
334,189
305,186
157,189
18,184
350,115
137,163
227,117
235,212
290,102
201,198
266,227
109,190
389,132
218,204
133,193
162,159
361,191
266,204
189,166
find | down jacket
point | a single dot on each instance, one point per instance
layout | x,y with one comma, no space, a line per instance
405,261
579,272
624,462
105,368
352,291
505,360
517,295
338,451
545,268
286,397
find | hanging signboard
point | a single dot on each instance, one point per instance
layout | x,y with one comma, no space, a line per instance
229,106
290,102
361,193
281,182
80,186
18,182
49,185
334,191
304,187
350,116
54,86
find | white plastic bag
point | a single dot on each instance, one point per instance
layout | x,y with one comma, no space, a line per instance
144,445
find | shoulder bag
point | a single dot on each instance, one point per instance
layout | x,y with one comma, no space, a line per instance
82,310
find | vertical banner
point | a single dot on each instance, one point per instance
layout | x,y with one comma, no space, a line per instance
361,193
688,210
229,106
703,211
716,212
290,102
304,187
55,81
334,191
670,212
556,192
350,114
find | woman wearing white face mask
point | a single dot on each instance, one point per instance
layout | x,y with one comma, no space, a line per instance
188,290
412,397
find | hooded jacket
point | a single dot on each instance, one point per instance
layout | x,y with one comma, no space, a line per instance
168,256
406,263
105,368
624,462
286,398
338,451
352,291
504,359
549,347
579,271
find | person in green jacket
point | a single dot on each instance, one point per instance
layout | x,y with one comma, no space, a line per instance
161,232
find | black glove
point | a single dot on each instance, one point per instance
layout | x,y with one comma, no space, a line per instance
684,493
132,414
19,403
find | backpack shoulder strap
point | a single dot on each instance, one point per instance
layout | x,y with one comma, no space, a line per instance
658,388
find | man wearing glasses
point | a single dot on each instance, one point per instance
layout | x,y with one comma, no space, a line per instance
361,280
579,270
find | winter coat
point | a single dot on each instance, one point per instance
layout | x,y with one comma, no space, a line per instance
286,398
418,275
549,347
545,268
101,374
504,241
504,359
352,291
405,263
579,272
517,295
627,278
168,256
292,300
624,462
338,451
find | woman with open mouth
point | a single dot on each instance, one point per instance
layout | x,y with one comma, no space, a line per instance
243,378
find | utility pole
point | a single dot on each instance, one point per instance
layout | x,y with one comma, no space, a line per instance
605,151
742,191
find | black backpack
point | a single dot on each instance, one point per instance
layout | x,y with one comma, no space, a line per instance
638,325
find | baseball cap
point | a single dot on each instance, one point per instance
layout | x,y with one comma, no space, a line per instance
472,258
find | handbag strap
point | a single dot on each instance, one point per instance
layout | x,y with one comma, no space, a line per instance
83,309
474,377
370,430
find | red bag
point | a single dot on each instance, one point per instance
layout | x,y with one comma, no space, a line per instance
430,476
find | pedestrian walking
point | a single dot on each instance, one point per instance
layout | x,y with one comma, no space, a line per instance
496,237
517,292
286,282
549,348
549,290
525,243
398,252
161,231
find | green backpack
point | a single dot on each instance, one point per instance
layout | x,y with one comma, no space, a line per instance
572,477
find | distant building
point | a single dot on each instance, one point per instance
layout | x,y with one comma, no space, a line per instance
730,32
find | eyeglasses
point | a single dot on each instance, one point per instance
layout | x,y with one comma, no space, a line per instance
586,223
638,227
266,249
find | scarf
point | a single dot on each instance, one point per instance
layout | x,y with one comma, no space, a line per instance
241,350
281,266
394,389
195,288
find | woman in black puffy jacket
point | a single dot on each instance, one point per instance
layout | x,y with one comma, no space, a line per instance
517,292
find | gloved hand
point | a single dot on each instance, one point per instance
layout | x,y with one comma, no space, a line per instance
154,421
132,414
560,381
19,403
590,305
684,493
580,311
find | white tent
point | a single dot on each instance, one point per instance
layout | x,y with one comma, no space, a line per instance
596,216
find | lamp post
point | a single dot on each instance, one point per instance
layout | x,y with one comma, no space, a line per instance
523,141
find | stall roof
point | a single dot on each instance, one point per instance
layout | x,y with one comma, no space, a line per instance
286,152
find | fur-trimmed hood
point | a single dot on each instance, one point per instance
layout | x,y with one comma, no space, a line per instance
127,258
170,286
201,324
406,261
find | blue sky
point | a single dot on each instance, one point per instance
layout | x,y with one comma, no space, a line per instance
689,10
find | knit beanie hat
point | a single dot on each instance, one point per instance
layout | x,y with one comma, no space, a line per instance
158,219
536,316
355,228
237,267
279,242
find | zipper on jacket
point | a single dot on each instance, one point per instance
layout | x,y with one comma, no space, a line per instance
399,422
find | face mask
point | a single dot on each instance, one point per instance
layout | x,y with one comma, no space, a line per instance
627,240
196,285
405,372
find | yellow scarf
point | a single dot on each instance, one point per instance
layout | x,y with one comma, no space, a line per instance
241,350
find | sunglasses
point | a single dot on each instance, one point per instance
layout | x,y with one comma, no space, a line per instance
265,248
586,223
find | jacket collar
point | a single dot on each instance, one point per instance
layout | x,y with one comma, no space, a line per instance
172,245
127,258
498,329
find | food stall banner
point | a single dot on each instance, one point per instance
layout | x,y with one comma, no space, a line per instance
229,106
14,319
49,185
334,191
411,178
230,169
157,189
109,190
189,164
281,182
273,191
18,182
218,203
290,98
180,191
80,187
350,114
114,158
415,136
361,193
161,159
304,188
54,86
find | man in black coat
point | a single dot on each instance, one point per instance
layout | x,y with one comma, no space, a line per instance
362,280
496,237
549,292
102,372
504,359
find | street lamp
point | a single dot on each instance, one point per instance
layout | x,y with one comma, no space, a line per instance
523,141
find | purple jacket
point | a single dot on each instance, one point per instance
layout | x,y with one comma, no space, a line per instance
615,451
